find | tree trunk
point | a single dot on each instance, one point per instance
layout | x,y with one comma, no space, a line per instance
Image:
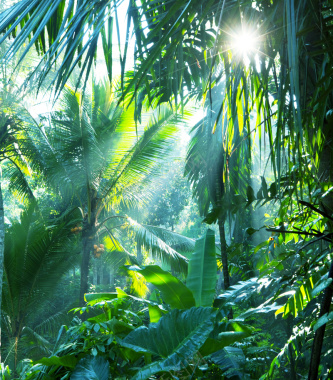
2,242
95,273
86,250
224,256
88,234
319,335
111,279
139,255
325,176
101,272
293,364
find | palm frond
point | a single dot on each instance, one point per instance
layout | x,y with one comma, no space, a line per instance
116,255
144,157
50,325
63,32
230,360
18,183
159,249
40,343
35,259
178,242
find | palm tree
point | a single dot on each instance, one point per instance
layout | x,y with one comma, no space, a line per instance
217,171
93,153
12,162
37,254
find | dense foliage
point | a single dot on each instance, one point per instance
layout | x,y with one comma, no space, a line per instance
222,115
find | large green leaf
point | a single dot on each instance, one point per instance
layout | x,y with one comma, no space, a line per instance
99,297
154,307
202,270
65,361
175,339
173,291
91,368
232,332
323,320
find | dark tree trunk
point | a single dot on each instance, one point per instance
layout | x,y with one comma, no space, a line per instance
224,256
293,364
325,175
319,335
2,242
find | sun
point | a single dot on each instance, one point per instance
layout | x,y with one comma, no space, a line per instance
244,43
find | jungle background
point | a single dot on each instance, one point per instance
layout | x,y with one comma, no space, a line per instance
166,195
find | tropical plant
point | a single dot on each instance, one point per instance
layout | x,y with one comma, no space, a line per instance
13,165
213,170
93,153
37,254
117,332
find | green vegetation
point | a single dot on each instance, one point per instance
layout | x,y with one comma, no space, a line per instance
166,207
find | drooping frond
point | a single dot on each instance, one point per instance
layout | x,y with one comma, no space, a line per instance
178,242
145,156
151,239
63,32
35,258
18,183
37,343
116,255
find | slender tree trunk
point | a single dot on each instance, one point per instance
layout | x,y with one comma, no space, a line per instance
325,175
111,279
2,242
86,250
139,255
101,272
95,274
319,335
88,234
293,364
224,256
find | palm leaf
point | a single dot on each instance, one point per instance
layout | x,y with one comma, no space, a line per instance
70,28
159,248
230,359
34,264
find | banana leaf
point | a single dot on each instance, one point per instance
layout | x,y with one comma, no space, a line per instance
175,338
173,291
201,279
